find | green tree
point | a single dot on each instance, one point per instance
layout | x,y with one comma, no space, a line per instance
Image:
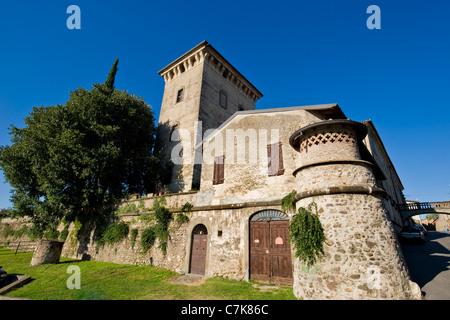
74,160
432,216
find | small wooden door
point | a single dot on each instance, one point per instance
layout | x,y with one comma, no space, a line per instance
198,249
270,252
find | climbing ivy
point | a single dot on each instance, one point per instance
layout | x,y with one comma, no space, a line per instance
163,217
113,234
148,238
134,233
307,235
287,203
181,217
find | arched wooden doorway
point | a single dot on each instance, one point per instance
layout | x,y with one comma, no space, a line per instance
270,251
198,249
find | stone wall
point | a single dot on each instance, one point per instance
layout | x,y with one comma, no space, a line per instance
227,252
362,257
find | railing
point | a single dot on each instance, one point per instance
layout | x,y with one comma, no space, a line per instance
22,246
425,205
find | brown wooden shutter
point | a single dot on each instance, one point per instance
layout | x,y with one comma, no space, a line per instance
271,170
219,170
280,160
275,159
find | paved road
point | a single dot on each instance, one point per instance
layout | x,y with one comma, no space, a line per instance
429,265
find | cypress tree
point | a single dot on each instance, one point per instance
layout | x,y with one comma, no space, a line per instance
112,75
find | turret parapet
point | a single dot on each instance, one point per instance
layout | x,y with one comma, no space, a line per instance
205,52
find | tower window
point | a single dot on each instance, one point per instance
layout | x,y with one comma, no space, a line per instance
180,95
225,74
223,100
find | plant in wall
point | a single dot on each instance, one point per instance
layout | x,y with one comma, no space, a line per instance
134,233
141,207
113,234
307,235
148,238
160,230
163,218
288,203
181,217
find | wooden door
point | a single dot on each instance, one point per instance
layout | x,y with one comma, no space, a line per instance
198,251
259,251
270,252
280,253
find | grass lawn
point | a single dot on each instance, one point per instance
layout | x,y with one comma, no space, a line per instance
110,281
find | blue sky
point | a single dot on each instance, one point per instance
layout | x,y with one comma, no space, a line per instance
296,53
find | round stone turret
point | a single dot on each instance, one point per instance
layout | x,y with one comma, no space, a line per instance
362,259
330,158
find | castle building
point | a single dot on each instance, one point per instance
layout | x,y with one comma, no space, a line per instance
234,164
244,161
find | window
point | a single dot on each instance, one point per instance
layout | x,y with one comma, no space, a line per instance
218,170
180,95
225,74
223,100
275,159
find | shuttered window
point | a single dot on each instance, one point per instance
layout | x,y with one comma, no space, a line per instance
275,159
219,163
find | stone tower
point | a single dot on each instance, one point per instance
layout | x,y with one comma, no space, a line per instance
202,90
362,259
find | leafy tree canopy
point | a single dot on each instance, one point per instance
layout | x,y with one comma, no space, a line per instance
72,161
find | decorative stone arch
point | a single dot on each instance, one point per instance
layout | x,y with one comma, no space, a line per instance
269,215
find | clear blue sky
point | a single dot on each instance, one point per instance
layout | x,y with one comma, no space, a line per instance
297,52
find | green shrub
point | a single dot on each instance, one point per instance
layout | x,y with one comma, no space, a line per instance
146,217
128,208
287,203
134,233
307,236
64,233
187,207
148,238
141,207
77,225
51,234
181,218
25,230
114,233
7,230
163,216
